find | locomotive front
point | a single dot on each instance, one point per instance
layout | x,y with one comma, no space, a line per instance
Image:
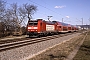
32,27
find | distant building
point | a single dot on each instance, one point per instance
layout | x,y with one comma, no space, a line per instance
83,26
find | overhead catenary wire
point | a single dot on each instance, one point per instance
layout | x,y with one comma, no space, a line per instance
52,10
47,8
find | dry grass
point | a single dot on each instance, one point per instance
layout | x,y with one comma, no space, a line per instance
84,51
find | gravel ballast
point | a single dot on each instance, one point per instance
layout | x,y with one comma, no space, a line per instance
26,52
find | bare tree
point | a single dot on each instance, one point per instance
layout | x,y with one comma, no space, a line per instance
11,18
22,14
26,11
30,10
2,9
14,11
15,18
2,16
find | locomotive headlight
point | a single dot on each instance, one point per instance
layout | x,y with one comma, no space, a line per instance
35,27
32,27
29,27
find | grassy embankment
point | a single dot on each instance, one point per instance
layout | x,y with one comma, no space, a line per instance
84,51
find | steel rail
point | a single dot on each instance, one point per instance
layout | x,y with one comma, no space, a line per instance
12,45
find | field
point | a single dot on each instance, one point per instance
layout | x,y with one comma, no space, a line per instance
84,51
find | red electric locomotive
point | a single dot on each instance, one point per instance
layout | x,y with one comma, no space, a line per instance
40,27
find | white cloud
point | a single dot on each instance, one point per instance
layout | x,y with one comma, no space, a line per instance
60,6
67,17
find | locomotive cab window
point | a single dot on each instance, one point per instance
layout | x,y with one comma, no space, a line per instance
33,23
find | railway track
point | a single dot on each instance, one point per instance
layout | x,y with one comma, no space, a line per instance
21,39
12,40
18,43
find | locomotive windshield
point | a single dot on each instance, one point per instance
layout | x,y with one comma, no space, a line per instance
33,23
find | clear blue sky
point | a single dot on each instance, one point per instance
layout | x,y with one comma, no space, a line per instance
72,11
